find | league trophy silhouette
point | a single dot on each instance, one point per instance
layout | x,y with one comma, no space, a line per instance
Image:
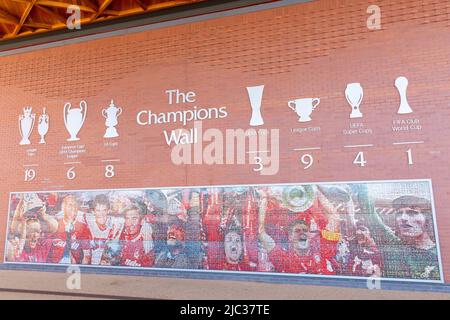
43,126
354,94
74,119
401,83
111,114
255,95
26,124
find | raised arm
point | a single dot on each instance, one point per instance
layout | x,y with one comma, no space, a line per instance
266,240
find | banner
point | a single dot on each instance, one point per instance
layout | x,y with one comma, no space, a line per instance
383,229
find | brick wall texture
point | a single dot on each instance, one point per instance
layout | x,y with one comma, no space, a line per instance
298,51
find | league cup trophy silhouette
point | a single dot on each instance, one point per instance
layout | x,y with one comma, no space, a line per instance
74,119
354,94
26,124
255,95
43,126
304,108
111,114
401,83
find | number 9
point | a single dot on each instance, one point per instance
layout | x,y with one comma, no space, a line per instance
307,160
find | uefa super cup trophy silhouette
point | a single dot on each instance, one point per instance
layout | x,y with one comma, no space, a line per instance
26,124
401,83
43,126
74,119
354,94
255,95
111,114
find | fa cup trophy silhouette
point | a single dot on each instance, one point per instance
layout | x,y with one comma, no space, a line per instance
26,124
74,119
43,126
111,114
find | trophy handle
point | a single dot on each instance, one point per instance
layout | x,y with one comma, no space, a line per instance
361,97
20,127
120,111
293,108
103,113
67,107
315,105
33,116
83,103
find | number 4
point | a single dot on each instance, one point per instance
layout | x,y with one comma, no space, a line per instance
360,159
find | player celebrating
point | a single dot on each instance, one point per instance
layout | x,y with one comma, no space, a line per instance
102,226
312,235
72,238
30,246
136,239
226,247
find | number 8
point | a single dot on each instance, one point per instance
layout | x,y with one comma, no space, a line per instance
109,173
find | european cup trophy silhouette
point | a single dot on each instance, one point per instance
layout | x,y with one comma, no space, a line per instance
43,126
26,124
255,95
401,83
74,119
354,94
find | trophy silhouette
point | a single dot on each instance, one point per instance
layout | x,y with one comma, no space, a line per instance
354,94
74,119
401,83
255,95
304,108
26,124
111,114
43,126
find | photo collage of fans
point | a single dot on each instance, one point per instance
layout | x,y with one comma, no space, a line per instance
367,229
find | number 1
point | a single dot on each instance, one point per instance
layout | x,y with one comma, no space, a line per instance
410,159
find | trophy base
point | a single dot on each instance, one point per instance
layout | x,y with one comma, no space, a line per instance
256,123
308,119
111,133
73,139
404,110
356,114
24,142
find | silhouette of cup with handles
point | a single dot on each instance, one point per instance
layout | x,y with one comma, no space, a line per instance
304,107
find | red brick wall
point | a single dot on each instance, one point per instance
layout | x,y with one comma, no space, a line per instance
305,50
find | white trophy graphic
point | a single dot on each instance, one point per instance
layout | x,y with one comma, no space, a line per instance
111,114
26,124
354,94
74,119
304,108
401,83
255,95
43,126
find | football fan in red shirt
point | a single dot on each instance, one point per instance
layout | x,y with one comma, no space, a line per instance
136,239
226,247
30,246
71,244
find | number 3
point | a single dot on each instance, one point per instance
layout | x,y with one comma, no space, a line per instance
259,163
